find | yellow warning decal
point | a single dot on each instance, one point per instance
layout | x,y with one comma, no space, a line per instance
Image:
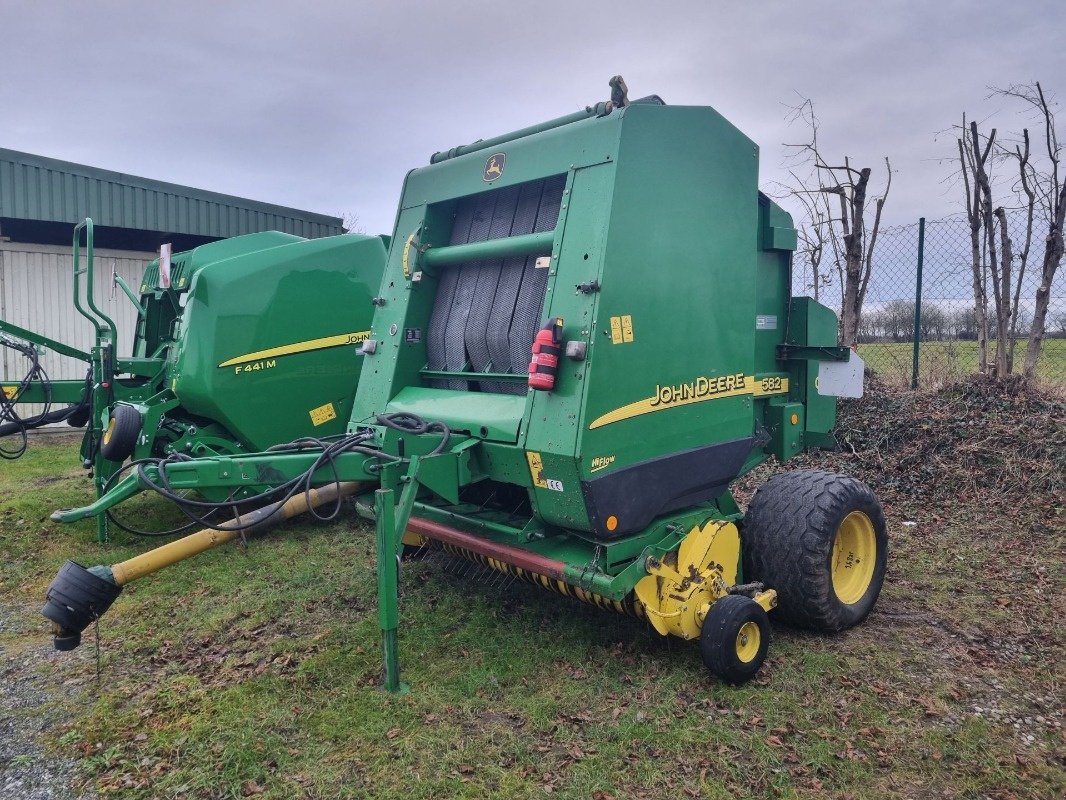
10,392
700,390
407,255
301,347
621,329
536,469
323,414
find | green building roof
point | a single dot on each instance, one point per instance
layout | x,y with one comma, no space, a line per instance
37,194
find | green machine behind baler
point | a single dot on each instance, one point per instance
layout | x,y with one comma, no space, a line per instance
584,334
240,344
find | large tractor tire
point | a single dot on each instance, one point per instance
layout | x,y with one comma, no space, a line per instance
819,539
120,437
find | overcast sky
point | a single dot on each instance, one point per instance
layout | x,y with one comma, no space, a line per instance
325,105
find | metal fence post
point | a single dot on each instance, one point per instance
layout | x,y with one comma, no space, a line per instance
917,334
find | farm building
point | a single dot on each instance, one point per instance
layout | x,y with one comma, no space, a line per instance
42,199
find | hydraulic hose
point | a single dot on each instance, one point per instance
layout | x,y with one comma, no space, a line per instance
11,422
200,511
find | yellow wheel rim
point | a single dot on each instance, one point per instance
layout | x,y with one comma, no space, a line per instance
109,431
854,557
749,637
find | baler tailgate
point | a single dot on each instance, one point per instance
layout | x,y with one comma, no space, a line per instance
486,312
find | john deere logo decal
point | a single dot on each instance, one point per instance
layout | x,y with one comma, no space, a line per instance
494,166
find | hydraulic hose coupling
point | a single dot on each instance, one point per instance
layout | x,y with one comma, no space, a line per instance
547,346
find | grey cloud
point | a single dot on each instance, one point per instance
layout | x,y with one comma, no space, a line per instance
325,105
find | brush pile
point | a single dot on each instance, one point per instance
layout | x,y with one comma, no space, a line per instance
999,444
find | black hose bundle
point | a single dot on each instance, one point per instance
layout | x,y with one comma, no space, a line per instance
201,511
10,420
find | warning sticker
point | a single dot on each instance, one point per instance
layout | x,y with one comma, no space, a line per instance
621,329
536,471
323,414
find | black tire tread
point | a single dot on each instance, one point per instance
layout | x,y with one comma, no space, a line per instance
787,534
124,436
719,633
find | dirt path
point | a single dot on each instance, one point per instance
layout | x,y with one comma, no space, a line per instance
29,712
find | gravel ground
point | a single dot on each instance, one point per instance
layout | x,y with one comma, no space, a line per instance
29,711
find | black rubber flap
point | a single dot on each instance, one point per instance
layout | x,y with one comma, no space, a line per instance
635,495
75,598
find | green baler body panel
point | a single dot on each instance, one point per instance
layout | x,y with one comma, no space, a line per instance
690,275
155,328
268,336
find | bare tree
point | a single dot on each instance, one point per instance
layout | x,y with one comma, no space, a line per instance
974,159
350,223
934,322
845,222
993,253
964,322
1025,185
812,233
1048,190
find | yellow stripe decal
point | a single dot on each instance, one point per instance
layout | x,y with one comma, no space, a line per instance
698,391
301,347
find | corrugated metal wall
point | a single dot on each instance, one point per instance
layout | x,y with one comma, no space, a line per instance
36,290
39,188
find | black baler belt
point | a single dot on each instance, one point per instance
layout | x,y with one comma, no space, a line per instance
442,303
455,359
498,324
530,301
488,278
486,313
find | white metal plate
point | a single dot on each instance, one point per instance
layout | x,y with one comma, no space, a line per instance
164,265
841,378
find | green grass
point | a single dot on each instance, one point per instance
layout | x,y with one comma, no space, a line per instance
255,672
944,362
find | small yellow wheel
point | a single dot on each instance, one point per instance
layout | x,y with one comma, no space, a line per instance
734,638
110,431
119,439
749,640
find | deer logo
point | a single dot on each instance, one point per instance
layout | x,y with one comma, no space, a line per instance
494,167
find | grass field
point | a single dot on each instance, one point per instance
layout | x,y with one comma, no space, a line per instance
944,362
254,672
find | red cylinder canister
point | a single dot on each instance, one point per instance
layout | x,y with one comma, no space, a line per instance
547,347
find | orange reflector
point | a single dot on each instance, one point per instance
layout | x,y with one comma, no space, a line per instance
795,419
612,522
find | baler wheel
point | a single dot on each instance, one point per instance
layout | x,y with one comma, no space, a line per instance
734,638
819,539
120,437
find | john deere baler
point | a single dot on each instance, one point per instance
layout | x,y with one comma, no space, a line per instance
584,334
240,344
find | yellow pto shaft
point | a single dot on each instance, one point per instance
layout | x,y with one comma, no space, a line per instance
208,538
79,595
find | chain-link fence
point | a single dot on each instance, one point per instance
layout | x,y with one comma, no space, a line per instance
947,332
